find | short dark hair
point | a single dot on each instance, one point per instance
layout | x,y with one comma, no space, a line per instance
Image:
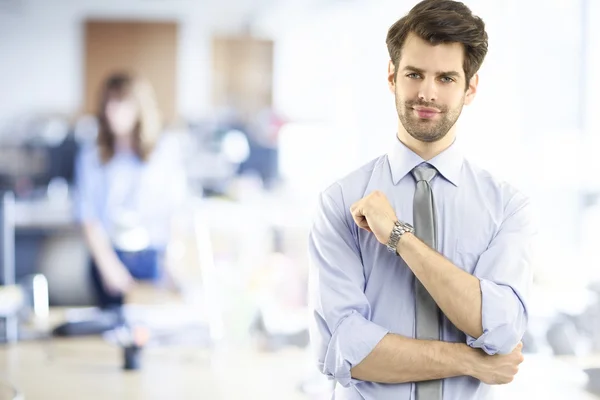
442,21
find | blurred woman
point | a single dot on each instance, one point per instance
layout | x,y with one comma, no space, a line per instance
129,186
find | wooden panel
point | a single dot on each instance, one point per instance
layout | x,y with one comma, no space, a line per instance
242,73
146,48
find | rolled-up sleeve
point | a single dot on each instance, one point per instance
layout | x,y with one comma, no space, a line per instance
341,331
505,273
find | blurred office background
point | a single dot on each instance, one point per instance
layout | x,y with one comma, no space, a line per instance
270,101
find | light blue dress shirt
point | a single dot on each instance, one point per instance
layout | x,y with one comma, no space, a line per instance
359,291
129,195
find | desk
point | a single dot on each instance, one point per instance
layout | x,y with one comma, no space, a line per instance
89,368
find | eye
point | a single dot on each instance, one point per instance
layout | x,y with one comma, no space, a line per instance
413,75
446,79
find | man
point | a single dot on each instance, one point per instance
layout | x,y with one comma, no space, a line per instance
442,313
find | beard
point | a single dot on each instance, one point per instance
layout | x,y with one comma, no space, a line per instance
427,130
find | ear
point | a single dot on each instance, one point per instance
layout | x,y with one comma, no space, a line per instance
472,89
390,78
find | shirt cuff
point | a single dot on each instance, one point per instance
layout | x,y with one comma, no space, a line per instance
502,317
354,338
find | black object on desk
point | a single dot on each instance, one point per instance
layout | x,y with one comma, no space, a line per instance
98,324
83,328
131,355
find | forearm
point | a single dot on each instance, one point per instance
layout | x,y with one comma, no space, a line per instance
99,244
456,292
398,359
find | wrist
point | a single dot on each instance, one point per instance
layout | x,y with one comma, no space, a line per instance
393,224
399,229
404,242
469,361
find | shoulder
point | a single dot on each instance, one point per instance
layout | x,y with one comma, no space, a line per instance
494,189
351,187
88,157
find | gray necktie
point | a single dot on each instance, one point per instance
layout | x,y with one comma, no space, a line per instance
427,313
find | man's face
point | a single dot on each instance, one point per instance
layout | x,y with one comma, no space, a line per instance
430,87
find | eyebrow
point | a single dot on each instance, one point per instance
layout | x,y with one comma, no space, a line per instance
439,73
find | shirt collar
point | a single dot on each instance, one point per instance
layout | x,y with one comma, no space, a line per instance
448,163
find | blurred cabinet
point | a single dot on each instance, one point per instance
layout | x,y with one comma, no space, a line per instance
146,48
242,74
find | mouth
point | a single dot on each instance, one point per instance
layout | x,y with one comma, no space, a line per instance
426,113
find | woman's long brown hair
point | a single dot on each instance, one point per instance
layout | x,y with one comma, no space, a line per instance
147,128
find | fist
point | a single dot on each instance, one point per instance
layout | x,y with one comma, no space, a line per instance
375,214
499,369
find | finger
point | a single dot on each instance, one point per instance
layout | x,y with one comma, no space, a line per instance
357,216
362,222
355,210
365,226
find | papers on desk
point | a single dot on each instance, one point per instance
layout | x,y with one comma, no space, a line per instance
167,325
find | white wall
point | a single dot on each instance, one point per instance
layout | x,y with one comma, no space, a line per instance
333,70
330,62
591,114
41,49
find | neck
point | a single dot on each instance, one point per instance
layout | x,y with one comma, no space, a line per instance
124,143
426,150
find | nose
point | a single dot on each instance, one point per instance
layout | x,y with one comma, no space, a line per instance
428,90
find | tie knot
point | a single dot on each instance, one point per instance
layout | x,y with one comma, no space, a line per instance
424,172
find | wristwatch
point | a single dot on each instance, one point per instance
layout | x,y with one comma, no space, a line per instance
400,228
